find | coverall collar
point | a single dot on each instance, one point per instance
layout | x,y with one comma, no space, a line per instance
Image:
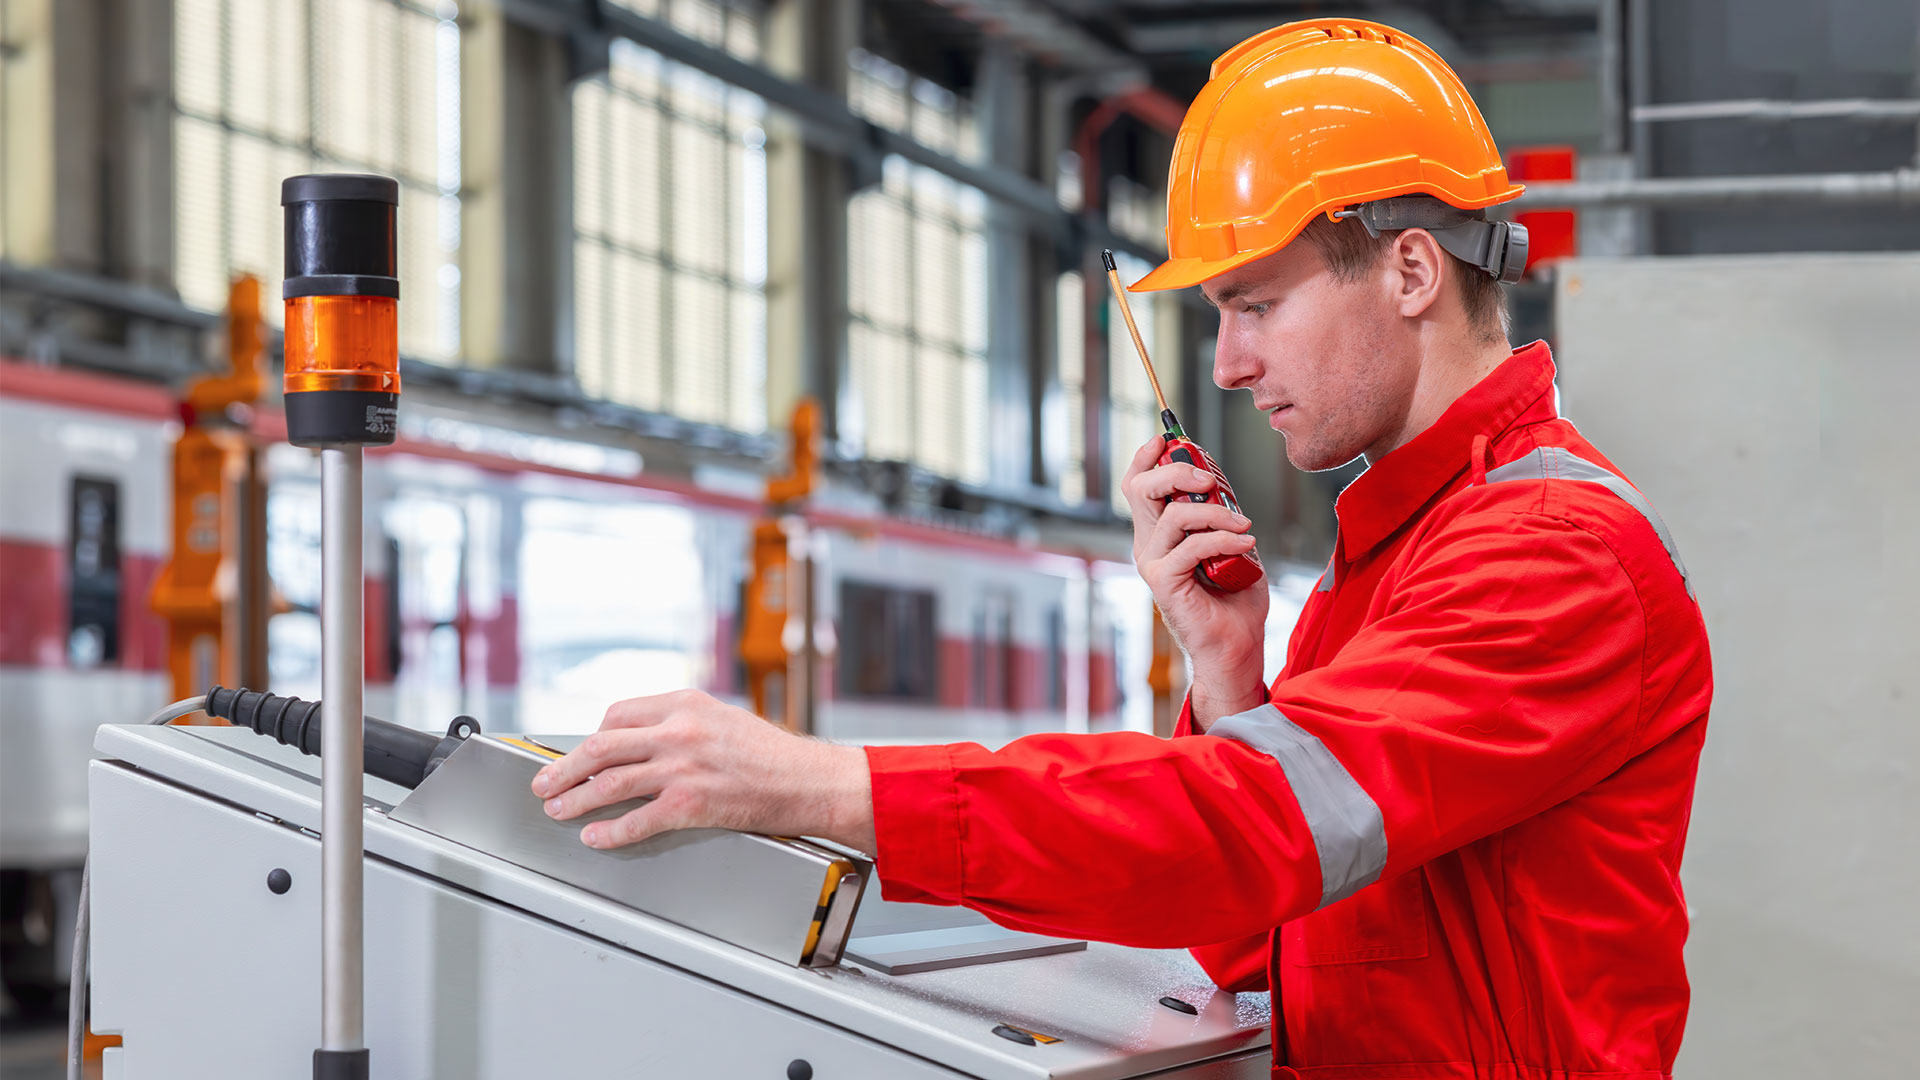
1393,489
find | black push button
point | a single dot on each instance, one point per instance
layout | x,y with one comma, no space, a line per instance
1179,1006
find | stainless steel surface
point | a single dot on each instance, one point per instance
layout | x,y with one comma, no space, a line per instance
951,947
1103,1001
757,892
342,738
1896,187
901,939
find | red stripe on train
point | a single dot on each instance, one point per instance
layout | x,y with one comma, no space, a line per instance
35,618
95,393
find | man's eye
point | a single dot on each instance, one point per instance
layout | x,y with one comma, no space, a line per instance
1259,309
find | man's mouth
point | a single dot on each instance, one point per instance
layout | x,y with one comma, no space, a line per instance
1277,413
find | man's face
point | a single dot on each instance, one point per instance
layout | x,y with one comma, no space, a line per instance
1329,361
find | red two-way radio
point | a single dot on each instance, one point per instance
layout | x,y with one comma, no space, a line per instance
1221,573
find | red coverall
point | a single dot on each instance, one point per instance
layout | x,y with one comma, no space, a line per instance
1450,845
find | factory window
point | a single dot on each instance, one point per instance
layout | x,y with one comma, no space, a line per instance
670,229
1132,415
266,89
917,285
1137,212
16,67
1070,323
889,644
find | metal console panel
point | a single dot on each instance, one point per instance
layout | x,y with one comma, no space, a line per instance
188,822
207,974
786,899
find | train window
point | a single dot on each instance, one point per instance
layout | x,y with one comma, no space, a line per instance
1056,658
889,643
93,582
425,588
293,562
612,605
262,91
993,652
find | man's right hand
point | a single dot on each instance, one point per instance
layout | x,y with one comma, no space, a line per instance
1224,635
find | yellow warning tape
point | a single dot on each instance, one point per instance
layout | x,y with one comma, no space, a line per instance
836,870
528,744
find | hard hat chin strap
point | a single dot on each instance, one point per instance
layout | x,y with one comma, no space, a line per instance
1498,247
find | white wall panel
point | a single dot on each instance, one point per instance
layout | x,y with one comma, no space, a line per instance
1766,406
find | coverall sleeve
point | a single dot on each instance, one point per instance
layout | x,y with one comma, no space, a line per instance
1240,965
1504,677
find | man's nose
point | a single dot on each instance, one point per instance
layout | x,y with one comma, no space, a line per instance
1233,366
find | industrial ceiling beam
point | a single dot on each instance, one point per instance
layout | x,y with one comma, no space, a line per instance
825,119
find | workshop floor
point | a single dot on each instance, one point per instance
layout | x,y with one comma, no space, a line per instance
30,1051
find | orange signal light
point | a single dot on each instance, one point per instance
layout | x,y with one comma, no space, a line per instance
343,343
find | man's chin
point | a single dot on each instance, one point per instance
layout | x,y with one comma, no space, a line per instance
1314,459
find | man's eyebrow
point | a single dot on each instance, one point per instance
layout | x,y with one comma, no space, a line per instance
1230,292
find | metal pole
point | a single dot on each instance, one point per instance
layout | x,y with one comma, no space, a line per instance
1760,110
1897,187
1610,76
342,662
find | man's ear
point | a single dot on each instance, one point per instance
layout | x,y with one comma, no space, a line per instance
1418,264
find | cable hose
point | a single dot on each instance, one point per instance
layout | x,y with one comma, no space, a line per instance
77,966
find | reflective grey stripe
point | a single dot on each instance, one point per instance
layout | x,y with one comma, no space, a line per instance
1348,832
1326,579
1559,463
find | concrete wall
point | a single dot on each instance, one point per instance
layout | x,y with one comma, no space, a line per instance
1766,405
1715,50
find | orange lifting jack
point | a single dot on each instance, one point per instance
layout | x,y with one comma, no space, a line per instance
777,639
213,592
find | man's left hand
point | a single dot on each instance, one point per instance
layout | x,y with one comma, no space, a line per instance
709,765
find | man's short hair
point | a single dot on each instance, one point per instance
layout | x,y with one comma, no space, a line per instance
1349,253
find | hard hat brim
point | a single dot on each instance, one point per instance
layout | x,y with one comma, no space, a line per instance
1187,272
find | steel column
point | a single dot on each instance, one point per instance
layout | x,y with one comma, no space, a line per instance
342,664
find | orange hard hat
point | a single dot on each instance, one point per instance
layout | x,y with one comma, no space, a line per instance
1318,117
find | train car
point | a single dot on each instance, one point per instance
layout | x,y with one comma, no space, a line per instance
521,578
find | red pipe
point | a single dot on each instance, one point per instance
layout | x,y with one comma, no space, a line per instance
1155,108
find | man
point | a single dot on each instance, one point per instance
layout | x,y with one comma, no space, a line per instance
1447,835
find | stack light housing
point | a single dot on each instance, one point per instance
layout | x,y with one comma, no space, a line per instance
342,292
